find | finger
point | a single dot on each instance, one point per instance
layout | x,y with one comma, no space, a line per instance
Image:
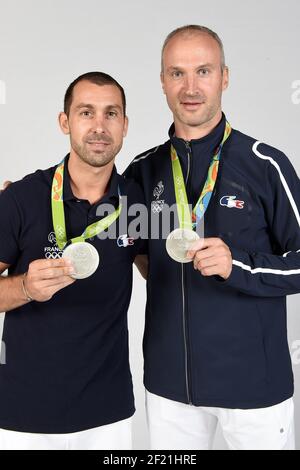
41,264
202,263
199,263
196,246
211,271
42,286
205,253
202,244
55,273
210,252
56,281
207,262
57,287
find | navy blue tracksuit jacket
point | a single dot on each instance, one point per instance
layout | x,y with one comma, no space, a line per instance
210,342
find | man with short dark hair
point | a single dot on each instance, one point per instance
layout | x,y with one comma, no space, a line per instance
215,341
66,383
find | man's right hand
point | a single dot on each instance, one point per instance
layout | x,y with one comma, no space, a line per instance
46,277
5,185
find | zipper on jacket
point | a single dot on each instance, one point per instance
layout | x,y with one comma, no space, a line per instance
189,154
183,286
184,322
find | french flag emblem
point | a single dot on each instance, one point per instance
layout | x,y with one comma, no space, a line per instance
232,201
124,241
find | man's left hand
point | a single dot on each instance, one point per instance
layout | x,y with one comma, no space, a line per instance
212,257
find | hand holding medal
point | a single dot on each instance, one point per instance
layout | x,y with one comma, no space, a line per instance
212,257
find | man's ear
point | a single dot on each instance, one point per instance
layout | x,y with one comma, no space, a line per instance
225,79
64,123
162,80
126,123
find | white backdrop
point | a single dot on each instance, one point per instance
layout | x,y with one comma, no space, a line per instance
44,45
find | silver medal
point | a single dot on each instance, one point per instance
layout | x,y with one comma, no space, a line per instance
179,242
84,257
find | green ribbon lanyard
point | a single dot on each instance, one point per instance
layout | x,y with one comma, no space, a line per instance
186,219
58,213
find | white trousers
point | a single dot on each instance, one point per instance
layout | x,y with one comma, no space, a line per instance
177,426
116,436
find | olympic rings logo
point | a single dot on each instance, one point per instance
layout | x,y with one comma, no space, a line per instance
157,206
53,255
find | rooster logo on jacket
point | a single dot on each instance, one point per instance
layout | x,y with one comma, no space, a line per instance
158,204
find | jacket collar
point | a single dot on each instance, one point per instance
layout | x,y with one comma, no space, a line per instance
210,141
112,190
